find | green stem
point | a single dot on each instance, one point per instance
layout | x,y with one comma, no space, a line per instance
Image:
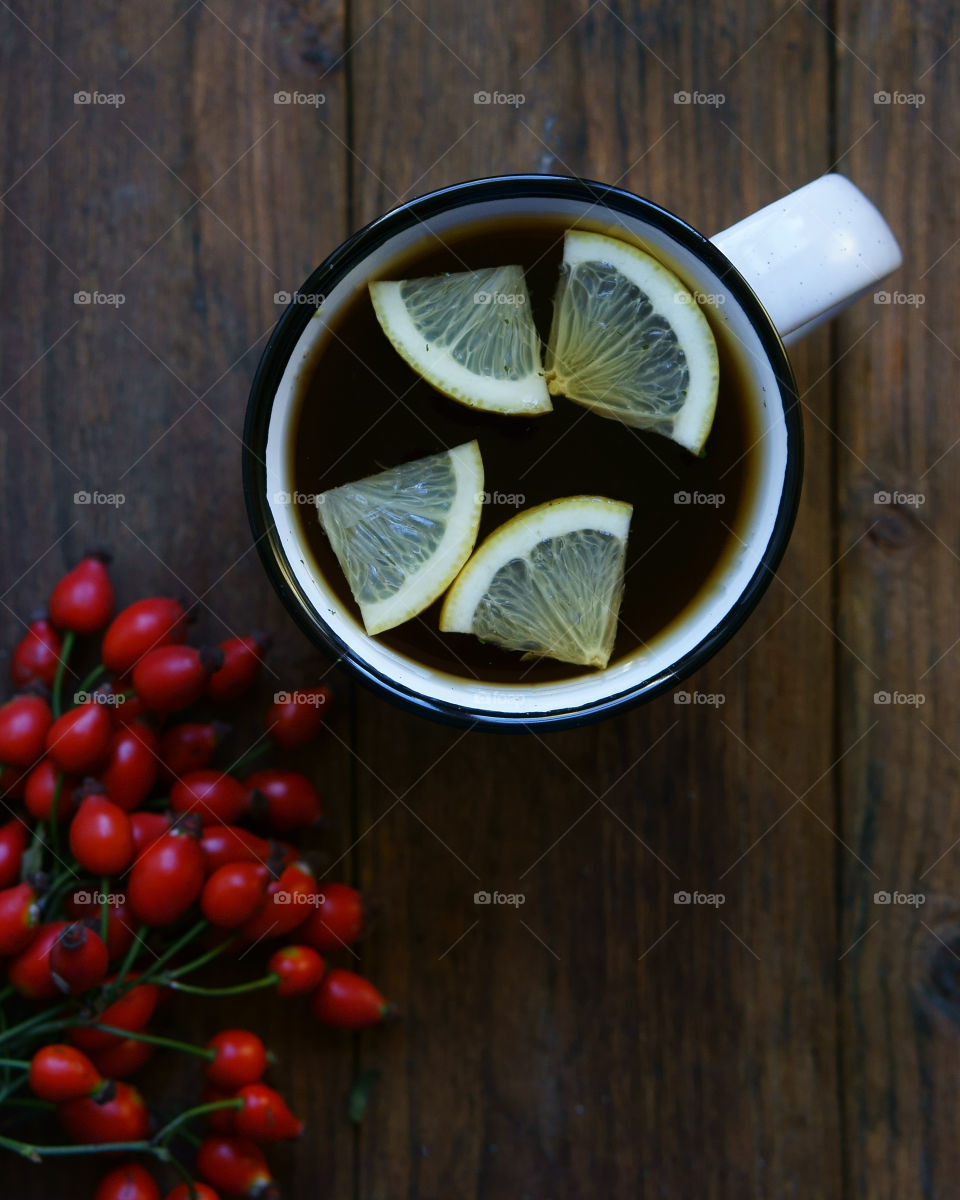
201,1110
23,1063
238,989
57,891
139,940
181,1170
251,755
54,816
30,1102
68,639
13,1087
104,908
33,1023
196,963
193,932
6,993
39,1153
36,1031
3,1029
155,1040
92,677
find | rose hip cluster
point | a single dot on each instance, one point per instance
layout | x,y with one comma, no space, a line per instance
125,837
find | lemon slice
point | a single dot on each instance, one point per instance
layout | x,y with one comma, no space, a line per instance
471,335
402,536
548,582
629,341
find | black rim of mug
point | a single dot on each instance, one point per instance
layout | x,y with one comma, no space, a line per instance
287,333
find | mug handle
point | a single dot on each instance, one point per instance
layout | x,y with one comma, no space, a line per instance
810,254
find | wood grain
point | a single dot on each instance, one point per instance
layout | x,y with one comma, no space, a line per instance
148,399
601,1039
897,428
588,1043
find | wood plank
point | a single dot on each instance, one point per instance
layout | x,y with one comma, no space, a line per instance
148,400
638,1050
897,427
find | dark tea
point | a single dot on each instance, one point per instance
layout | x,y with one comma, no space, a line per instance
361,409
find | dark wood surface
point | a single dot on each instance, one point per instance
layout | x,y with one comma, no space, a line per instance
602,1041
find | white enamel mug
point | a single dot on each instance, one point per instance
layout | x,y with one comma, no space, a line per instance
780,272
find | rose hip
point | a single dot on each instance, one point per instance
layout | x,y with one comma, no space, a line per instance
242,659
83,599
196,1191
284,800
299,969
84,904
131,1013
190,746
241,1058
348,1001
40,789
336,921
212,794
284,906
146,827
59,1073
37,655
19,916
234,892
169,678
124,1118
265,1116
229,843
78,959
129,1182
166,879
141,627
78,741
29,972
24,724
124,1059
236,1166
100,837
132,766
295,718
13,842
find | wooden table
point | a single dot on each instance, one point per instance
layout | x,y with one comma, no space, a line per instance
802,1040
